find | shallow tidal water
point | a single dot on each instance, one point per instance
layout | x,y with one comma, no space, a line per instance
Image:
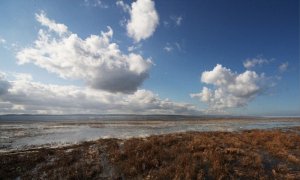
50,131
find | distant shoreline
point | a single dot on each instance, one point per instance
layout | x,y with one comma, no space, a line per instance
128,117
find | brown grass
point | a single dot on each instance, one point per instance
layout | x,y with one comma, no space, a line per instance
255,154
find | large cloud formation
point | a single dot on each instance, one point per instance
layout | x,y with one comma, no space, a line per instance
4,84
230,88
96,60
26,96
112,77
143,19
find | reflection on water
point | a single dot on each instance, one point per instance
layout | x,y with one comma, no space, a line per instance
18,134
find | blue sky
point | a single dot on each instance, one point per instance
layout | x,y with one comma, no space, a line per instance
166,57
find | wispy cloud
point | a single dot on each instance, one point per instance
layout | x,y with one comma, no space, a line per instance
8,45
283,67
51,24
2,41
251,63
178,46
124,6
168,47
166,23
96,3
173,20
177,20
134,47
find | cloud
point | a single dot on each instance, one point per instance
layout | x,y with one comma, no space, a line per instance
171,46
124,6
95,3
166,23
2,41
168,47
27,96
178,46
52,25
177,20
143,19
231,90
283,67
173,20
4,84
4,44
8,45
134,47
95,60
251,63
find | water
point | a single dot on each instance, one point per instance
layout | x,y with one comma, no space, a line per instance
26,131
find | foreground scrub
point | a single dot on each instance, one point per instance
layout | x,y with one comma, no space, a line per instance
249,154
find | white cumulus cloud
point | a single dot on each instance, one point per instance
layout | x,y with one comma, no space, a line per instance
143,19
95,60
231,89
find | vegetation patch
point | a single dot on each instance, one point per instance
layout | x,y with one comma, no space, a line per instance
252,154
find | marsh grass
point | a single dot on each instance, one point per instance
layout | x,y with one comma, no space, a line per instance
254,154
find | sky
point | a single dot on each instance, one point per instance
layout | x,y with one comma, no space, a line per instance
203,57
